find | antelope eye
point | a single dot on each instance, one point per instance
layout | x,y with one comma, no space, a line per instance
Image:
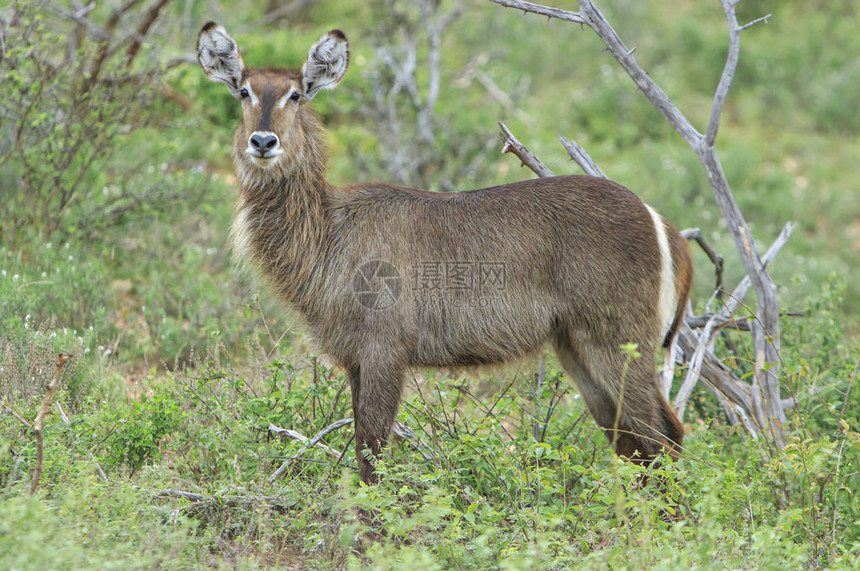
294,96
243,93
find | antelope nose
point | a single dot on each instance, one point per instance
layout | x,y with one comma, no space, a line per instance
263,142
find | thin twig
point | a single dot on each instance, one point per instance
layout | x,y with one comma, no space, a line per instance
142,30
18,416
754,22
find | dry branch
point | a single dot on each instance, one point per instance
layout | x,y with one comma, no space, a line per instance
308,443
766,399
399,429
62,359
582,158
510,144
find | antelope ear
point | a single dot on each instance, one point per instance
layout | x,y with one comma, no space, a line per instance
219,57
326,64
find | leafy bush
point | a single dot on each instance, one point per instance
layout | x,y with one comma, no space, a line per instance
73,95
132,434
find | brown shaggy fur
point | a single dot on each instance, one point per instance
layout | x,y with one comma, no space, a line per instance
577,265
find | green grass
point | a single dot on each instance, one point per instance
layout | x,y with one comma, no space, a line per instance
182,360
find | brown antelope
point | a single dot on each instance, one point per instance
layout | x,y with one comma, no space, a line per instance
387,278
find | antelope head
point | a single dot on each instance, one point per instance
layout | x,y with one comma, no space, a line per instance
272,99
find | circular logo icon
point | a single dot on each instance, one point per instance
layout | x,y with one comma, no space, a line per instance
377,284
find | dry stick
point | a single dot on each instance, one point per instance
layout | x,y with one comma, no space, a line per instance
402,431
309,443
66,421
399,429
62,359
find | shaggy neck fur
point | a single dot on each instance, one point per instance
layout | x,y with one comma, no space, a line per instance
281,222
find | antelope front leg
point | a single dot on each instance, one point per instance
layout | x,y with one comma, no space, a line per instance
375,399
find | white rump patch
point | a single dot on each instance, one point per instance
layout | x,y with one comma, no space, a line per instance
667,300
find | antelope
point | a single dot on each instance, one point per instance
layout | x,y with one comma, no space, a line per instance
388,278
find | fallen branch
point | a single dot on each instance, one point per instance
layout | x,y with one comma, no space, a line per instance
275,503
309,443
399,429
62,359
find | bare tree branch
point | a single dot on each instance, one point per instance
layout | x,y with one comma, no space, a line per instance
706,337
511,144
582,158
543,10
756,21
766,338
18,416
